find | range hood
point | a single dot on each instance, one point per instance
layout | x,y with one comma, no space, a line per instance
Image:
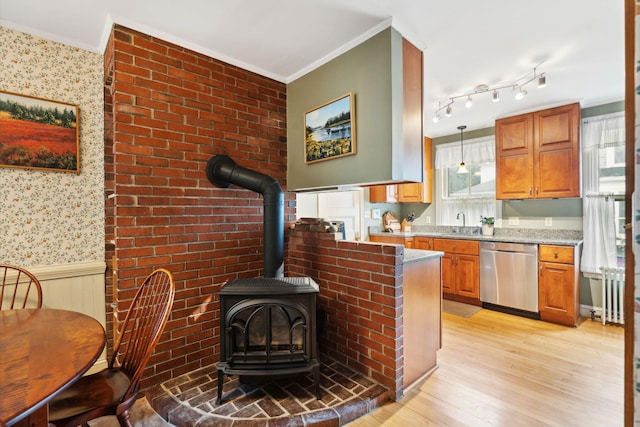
384,73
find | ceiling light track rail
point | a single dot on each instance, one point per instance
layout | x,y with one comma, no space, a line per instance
517,87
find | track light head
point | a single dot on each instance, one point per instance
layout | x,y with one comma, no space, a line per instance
542,81
520,94
448,111
496,96
469,102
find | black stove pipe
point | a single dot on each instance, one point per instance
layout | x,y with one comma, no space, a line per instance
222,171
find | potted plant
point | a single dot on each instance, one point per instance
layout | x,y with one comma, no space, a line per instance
487,225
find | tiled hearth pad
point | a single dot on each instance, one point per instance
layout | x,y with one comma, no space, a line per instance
189,400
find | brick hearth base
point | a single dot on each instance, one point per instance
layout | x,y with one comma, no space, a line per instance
189,400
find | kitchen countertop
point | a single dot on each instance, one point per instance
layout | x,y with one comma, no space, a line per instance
511,235
411,255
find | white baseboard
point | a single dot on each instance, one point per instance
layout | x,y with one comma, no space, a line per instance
585,311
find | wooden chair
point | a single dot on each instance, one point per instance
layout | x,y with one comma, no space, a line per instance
18,288
114,390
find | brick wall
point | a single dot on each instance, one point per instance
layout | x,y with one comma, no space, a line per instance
361,295
171,109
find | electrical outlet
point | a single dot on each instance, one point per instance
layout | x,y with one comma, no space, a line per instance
514,220
367,214
428,220
548,222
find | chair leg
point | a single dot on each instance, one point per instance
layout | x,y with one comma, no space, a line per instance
123,419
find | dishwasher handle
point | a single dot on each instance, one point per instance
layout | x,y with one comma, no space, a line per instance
509,247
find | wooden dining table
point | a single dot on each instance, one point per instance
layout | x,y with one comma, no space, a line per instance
42,351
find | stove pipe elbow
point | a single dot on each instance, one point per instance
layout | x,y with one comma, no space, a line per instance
222,171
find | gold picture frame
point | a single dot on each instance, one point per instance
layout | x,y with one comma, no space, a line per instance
330,130
37,133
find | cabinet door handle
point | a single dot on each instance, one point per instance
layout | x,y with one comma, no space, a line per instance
530,191
541,269
537,191
555,254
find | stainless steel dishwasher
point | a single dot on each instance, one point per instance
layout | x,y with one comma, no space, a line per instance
509,275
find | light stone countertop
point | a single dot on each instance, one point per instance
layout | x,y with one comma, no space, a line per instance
512,235
412,255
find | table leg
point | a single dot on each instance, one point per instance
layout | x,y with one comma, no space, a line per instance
39,418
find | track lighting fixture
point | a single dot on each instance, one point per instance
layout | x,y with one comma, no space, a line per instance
517,86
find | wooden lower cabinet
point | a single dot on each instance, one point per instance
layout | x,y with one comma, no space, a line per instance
395,240
460,269
425,243
421,293
558,284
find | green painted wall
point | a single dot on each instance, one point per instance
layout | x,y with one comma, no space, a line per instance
373,72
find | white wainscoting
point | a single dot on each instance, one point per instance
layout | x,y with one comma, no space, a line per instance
76,287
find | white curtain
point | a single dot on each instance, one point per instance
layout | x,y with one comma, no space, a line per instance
599,232
477,150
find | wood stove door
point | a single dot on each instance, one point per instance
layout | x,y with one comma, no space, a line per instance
267,331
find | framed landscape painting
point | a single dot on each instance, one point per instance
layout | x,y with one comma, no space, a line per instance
330,130
37,133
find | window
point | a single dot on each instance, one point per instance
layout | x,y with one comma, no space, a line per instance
472,194
479,182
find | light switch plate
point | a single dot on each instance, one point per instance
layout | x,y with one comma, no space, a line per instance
375,213
548,222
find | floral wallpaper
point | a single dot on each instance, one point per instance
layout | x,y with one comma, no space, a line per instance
49,218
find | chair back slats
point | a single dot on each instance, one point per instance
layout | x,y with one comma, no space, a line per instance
19,288
143,325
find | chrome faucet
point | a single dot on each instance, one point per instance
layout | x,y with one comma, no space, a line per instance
463,218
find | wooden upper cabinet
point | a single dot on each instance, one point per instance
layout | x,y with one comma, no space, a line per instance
383,194
538,154
420,192
514,157
558,152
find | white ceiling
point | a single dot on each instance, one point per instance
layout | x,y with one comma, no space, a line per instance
578,44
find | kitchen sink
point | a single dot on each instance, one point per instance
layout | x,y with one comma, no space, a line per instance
467,231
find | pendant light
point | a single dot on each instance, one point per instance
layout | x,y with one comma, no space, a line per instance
462,168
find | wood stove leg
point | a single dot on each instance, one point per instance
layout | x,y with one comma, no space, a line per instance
220,384
316,379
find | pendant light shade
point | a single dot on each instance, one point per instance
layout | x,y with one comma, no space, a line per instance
462,168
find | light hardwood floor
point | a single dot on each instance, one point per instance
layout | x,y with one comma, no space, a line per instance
497,369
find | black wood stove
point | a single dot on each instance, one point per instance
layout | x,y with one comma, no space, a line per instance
267,323
268,328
